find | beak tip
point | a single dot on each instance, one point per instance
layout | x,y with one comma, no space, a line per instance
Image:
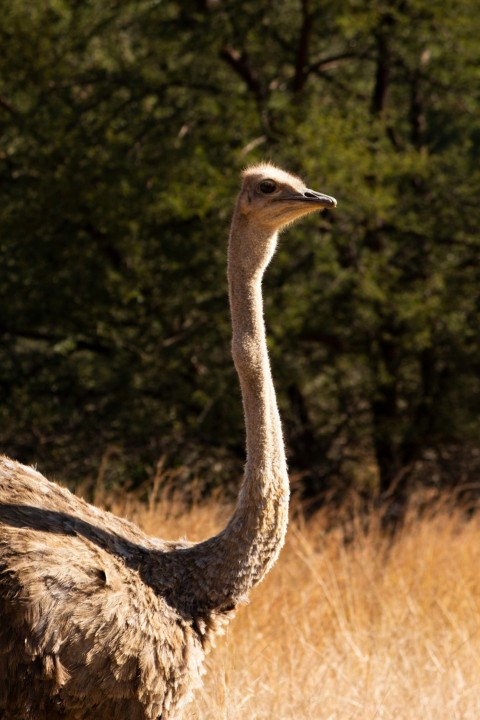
327,201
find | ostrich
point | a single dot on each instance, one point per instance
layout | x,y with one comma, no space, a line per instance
99,620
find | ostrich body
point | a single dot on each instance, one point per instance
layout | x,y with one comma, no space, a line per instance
100,621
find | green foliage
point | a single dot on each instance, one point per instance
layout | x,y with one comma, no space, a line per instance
123,127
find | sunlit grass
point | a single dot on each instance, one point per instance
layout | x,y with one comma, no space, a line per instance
342,630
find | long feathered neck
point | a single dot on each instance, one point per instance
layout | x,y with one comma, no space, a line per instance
260,518
264,442
221,571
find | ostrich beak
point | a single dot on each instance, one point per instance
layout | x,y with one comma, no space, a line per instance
317,198
310,197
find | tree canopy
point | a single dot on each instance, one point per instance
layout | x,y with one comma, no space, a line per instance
123,128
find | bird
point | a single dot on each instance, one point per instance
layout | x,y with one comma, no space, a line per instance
100,620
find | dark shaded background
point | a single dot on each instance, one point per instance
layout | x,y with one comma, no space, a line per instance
124,126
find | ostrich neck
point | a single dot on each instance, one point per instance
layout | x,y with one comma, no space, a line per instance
219,572
264,444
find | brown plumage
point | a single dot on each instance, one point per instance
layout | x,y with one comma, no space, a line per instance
100,621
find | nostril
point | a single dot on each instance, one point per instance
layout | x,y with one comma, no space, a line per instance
309,194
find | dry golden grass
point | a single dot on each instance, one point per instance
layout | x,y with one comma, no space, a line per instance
347,630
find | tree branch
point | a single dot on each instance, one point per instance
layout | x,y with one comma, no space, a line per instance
303,49
239,63
332,62
7,105
382,76
96,346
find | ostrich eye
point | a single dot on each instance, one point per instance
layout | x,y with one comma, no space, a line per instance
267,186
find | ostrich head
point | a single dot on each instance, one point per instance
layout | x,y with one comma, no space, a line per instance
269,200
274,198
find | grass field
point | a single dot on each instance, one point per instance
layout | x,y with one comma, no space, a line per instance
362,629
